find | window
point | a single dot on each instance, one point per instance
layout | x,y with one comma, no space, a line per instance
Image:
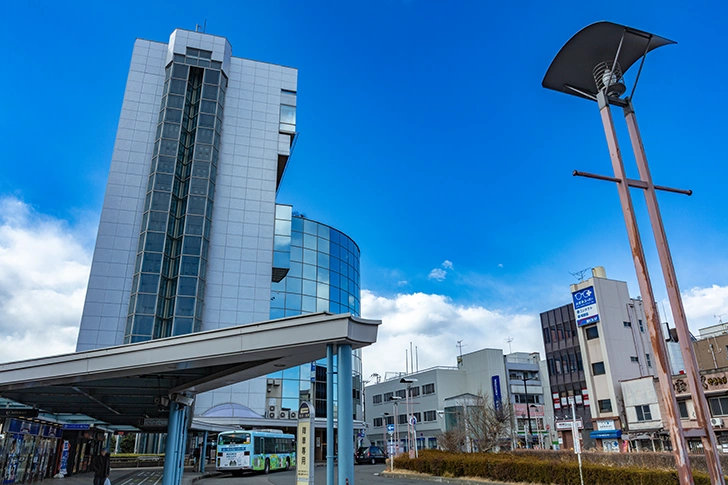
401,393
643,413
598,368
634,359
718,406
428,389
377,399
390,419
683,408
288,119
648,360
591,332
605,405
388,396
414,392
430,415
418,417
377,422
402,419
628,324
642,327
546,336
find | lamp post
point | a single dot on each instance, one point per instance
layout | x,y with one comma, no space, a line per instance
395,410
391,444
591,66
528,408
411,433
538,427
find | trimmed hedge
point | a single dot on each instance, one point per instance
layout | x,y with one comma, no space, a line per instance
642,459
507,467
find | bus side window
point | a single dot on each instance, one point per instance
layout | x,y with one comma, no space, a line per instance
258,447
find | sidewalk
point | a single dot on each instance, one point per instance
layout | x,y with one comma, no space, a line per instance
120,475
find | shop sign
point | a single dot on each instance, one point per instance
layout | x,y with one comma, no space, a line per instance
606,425
18,413
64,458
154,422
557,400
585,306
497,399
567,425
76,427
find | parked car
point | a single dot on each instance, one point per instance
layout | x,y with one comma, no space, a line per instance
371,454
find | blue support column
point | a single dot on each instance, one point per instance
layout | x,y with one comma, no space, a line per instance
345,417
169,474
330,414
203,454
182,443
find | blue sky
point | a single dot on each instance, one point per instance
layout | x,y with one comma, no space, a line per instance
425,133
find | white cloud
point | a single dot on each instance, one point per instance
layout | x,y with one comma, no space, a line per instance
500,265
402,283
44,270
437,274
434,323
447,264
703,307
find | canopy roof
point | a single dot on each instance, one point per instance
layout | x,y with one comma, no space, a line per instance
122,386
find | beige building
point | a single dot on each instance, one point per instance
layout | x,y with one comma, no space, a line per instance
615,346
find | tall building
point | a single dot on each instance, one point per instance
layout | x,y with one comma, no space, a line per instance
190,237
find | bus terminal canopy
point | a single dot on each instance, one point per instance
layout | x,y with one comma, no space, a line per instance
127,385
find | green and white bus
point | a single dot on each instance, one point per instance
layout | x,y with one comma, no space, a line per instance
255,450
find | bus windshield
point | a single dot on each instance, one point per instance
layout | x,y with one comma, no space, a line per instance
234,439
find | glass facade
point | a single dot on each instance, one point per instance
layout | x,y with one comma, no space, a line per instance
168,288
323,277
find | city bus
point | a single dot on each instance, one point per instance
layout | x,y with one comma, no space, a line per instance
255,450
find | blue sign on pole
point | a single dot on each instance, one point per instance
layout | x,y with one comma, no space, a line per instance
497,399
585,306
390,428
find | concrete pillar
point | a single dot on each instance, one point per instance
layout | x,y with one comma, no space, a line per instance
330,414
173,437
345,418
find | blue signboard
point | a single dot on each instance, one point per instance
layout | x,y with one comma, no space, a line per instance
76,426
497,399
390,428
585,306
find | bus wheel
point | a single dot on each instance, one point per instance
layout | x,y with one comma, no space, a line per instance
288,463
266,470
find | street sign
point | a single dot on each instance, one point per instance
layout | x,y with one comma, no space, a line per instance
585,306
304,445
390,428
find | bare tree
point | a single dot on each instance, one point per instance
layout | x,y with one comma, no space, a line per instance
452,440
485,423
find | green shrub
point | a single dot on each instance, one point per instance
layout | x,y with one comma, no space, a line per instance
508,467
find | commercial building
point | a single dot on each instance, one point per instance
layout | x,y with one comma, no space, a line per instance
569,394
440,395
191,238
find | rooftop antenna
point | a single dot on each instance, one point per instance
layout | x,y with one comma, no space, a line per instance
460,346
720,318
201,28
580,275
509,340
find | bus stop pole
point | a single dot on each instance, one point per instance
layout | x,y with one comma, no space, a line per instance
330,450
345,417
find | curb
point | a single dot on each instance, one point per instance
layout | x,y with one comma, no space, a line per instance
432,478
206,475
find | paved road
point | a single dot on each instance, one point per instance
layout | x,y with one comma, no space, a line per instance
363,475
145,477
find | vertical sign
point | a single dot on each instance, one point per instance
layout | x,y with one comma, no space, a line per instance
304,445
585,306
64,457
497,400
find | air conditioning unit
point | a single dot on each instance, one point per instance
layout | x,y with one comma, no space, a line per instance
716,422
272,415
269,382
293,414
283,415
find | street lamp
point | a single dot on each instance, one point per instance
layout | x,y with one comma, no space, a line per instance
411,432
591,65
395,410
538,427
528,408
391,444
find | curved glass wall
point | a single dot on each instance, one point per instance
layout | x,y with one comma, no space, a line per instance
323,276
